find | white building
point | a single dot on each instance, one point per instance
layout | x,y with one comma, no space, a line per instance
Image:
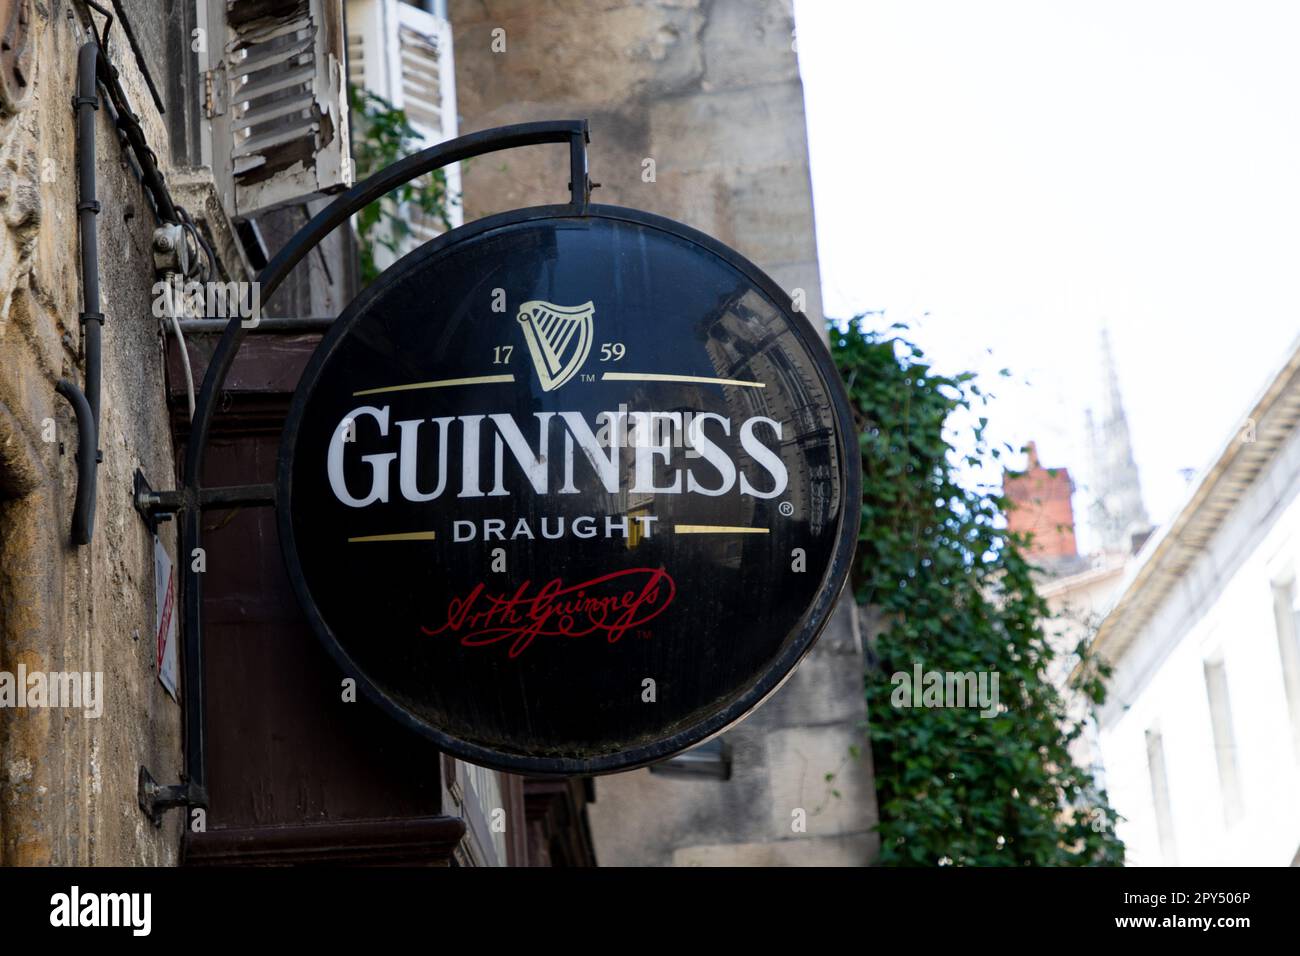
1200,734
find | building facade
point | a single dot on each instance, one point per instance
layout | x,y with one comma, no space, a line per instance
1200,734
1079,589
186,141
218,129
1039,507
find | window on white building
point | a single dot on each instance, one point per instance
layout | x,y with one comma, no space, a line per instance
1225,745
1286,612
1160,796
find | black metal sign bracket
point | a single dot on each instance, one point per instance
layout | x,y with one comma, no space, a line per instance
191,499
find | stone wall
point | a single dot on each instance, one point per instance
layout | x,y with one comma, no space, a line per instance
68,783
696,112
707,91
778,808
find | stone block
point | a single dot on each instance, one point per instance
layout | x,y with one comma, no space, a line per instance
747,43
752,128
798,760
859,850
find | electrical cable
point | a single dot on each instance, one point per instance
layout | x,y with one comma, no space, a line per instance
185,361
188,221
209,271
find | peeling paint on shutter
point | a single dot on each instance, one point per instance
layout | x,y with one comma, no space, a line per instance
280,135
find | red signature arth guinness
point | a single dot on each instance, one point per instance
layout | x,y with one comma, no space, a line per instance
612,605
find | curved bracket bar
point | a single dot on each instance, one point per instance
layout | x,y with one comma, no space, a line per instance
573,132
83,514
353,201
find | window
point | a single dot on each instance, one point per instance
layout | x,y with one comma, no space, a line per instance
1160,796
1286,612
273,122
402,53
1225,747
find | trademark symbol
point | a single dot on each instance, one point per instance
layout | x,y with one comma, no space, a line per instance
589,376
786,508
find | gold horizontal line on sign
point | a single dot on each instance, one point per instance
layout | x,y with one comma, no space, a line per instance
663,377
440,383
403,536
716,529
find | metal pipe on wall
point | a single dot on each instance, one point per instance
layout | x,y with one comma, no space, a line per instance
83,514
86,102
94,68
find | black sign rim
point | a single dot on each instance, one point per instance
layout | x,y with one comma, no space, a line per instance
777,672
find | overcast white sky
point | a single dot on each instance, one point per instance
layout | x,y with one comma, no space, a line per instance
1012,175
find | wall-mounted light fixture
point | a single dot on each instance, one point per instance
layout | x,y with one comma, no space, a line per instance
710,760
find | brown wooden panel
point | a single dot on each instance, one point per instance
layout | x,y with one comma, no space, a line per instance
558,833
295,774
429,841
283,748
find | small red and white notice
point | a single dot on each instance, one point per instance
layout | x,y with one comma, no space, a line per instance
164,582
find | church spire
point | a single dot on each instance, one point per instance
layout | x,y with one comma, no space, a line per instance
1117,512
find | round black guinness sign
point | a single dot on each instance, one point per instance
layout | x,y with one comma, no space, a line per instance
569,493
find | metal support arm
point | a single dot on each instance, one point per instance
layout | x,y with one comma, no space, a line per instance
191,499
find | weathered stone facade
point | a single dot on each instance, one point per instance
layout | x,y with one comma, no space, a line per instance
67,783
706,90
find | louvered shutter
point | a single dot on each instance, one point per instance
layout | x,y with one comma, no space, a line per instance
275,101
404,55
429,92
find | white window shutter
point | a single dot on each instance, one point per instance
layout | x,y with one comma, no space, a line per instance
428,83
368,42
404,55
276,101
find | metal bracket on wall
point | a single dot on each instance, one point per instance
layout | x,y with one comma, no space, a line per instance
148,502
155,506
155,799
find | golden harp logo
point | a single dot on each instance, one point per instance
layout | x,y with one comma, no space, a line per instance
559,338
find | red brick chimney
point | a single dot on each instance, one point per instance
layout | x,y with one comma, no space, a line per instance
1039,505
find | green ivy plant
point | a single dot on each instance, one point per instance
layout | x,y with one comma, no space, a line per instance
381,135
954,592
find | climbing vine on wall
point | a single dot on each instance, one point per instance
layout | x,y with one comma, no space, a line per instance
954,593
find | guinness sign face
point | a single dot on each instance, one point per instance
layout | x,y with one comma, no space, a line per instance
569,494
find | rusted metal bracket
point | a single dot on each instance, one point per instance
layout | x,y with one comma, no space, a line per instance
155,799
214,92
155,506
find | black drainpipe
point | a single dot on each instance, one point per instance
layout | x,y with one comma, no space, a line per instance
83,514
93,67
86,102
